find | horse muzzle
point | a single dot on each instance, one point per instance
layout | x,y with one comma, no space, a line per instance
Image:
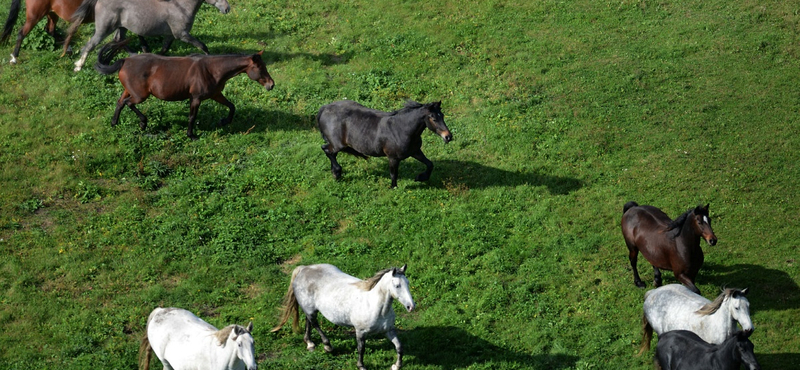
411,307
446,136
224,9
269,85
712,241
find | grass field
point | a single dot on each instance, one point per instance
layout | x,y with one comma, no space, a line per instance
561,112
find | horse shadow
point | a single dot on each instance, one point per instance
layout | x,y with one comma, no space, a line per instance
769,289
449,348
254,119
778,360
269,57
454,174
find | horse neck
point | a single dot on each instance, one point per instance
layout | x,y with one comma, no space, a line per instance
688,235
721,322
382,295
229,67
729,352
415,119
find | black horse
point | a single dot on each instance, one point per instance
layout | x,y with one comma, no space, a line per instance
353,128
684,350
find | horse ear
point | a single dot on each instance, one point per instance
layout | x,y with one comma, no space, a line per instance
260,52
250,327
706,207
744,291
437,104
403,269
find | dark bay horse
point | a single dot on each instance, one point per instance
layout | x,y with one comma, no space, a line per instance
667,244
35,10
684,350
172,19
195,78
353,128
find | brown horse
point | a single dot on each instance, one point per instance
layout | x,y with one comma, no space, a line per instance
36,10
667,244
194,77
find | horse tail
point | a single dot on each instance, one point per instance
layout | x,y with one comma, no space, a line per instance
84,11
289,307
628,206
145,351
13,14
647,335
107,53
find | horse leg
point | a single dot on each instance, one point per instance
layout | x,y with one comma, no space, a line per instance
50,27
142,118
100,33
307,337
424,176
392,335
685,280
194,106
360,342
219,98
633,255
168,39
34,14
656,277
394,163
326,343
121,102
336,169
187,38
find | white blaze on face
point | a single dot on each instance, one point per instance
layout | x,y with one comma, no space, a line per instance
705,219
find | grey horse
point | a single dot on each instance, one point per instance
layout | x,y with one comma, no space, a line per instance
172,19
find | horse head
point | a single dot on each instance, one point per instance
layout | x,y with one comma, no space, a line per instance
222,5
739,308
702,225
745,351
399,288
243,348
257,71
434,120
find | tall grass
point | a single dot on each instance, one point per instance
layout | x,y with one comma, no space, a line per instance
561,112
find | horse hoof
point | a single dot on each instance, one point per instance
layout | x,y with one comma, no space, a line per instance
422,177
310,347
639,284
328,348
395,367
13,59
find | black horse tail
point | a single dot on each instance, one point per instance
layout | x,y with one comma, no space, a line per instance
106,54
628,206
86,10
647,335
13,14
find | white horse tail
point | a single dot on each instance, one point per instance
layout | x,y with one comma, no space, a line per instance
647,335
289,307
145,351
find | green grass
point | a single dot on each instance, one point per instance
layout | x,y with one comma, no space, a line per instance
561,112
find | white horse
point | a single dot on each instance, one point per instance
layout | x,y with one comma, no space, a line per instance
675,307
365,305
182,341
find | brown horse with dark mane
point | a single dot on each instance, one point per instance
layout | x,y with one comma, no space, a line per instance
667,244
35,10
195,78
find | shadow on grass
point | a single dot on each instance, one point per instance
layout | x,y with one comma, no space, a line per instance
778,360
448,347
769,289
475,175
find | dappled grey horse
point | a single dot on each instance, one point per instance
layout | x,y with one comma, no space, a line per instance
172,19
365,305
676,307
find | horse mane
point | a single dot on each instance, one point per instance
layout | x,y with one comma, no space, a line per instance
370,283
712,307
677,224
223,334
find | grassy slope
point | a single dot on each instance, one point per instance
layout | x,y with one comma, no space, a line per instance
561,113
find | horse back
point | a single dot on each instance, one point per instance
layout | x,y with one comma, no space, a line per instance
166,78
673,307
644,228
346,123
